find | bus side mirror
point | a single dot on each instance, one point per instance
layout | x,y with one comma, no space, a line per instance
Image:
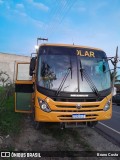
32,66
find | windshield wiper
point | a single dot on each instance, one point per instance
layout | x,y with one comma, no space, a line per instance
63,81
64,78
88,79
71,67
81,69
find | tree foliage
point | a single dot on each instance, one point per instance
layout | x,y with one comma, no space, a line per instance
6,89
116,76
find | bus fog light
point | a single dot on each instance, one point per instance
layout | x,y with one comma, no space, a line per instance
43,105
107,106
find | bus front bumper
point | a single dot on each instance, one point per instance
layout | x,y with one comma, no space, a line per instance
68,112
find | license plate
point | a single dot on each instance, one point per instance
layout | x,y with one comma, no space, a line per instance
78,116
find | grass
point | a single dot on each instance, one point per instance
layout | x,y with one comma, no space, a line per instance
10,122
65,136
1,89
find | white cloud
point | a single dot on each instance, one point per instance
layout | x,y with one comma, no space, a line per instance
80,6
19,6
24,18
81,9
19,13
96,8
7,6
1,2
100,5
38,5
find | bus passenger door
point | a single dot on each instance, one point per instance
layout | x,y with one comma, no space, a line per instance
23,88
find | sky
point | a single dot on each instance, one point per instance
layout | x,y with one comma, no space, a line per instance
94,23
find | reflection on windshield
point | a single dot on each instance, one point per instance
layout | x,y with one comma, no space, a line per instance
96,69
88,79
53,67
47,75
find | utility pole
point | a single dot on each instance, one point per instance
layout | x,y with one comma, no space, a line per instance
42,39
114,62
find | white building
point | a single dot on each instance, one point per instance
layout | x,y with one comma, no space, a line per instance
7,62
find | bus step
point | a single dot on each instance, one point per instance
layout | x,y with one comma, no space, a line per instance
75,125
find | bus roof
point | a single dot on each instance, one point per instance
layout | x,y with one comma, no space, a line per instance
68,45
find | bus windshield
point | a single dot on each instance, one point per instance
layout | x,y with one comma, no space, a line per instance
54,63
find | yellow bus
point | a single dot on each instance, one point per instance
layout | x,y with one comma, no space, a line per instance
68,84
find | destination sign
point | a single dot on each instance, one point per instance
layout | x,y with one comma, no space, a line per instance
85,53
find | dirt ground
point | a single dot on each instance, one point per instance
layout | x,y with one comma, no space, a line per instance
51,138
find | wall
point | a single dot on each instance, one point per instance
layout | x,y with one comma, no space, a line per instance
7,62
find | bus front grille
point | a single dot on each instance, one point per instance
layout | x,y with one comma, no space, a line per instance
92,106
70,99
69,117
92,110
74,108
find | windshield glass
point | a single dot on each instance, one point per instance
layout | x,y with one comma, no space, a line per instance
53,68
98,71
54,62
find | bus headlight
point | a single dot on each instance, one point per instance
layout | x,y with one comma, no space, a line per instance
107,106
43,105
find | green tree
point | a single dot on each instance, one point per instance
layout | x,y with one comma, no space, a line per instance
6,89
116,76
